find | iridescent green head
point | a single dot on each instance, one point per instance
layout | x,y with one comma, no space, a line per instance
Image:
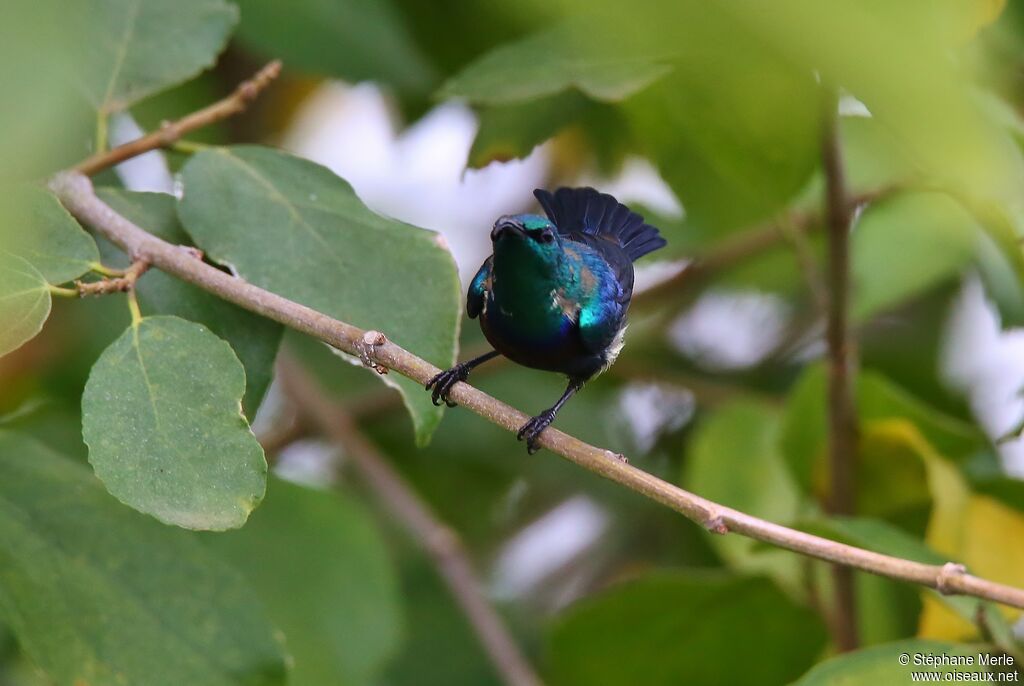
525,241
532,226
527,235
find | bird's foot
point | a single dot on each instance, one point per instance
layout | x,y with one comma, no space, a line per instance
532,430
443,382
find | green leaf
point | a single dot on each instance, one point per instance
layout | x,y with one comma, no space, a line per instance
881,664
440,648
1000,264
883,537
44,120
670,629
871,156
129,49
355,40
1007,490
100,595
343,620
906,244
24,302
777,270
962,528
293,227
892,470
886,610
455,33
162,416
736,145
803,438
512,131
36,226
879,398
567,56
254,339
734,460
912,76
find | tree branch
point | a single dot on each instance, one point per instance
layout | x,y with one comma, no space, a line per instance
171,132
437,539
843,436
75,191
727,252
740,246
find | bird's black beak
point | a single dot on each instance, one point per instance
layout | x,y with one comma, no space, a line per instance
507,226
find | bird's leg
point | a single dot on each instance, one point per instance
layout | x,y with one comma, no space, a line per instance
532,429
443,382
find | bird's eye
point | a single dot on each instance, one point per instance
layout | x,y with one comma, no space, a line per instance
546,237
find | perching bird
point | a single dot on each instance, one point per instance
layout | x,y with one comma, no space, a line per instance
554,293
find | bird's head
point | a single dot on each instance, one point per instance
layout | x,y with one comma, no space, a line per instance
528,235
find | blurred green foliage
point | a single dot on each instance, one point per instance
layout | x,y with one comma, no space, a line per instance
726,100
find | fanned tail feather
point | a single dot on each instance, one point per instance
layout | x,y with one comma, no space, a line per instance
587,211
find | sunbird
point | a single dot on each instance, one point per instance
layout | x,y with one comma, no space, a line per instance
554,293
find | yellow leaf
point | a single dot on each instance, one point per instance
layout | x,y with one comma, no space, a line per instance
940,622
965,527
982,529
891,478
950,497
992,541
986,12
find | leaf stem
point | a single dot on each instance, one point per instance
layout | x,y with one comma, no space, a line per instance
62,292
102,132
133,307
189,147
104,270
76,192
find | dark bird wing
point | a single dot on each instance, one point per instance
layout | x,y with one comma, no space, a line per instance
617,259
587,212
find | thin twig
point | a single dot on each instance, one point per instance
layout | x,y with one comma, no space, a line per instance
76,192
842,415
401,501
170,132
117,284
726,253
743,245
281,436
797,239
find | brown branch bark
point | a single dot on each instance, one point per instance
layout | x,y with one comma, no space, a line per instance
171,132
843,436
76,192
437,539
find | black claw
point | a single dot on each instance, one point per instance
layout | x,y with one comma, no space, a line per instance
443,383
532,430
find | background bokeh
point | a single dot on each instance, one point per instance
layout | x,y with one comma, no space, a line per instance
705,117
